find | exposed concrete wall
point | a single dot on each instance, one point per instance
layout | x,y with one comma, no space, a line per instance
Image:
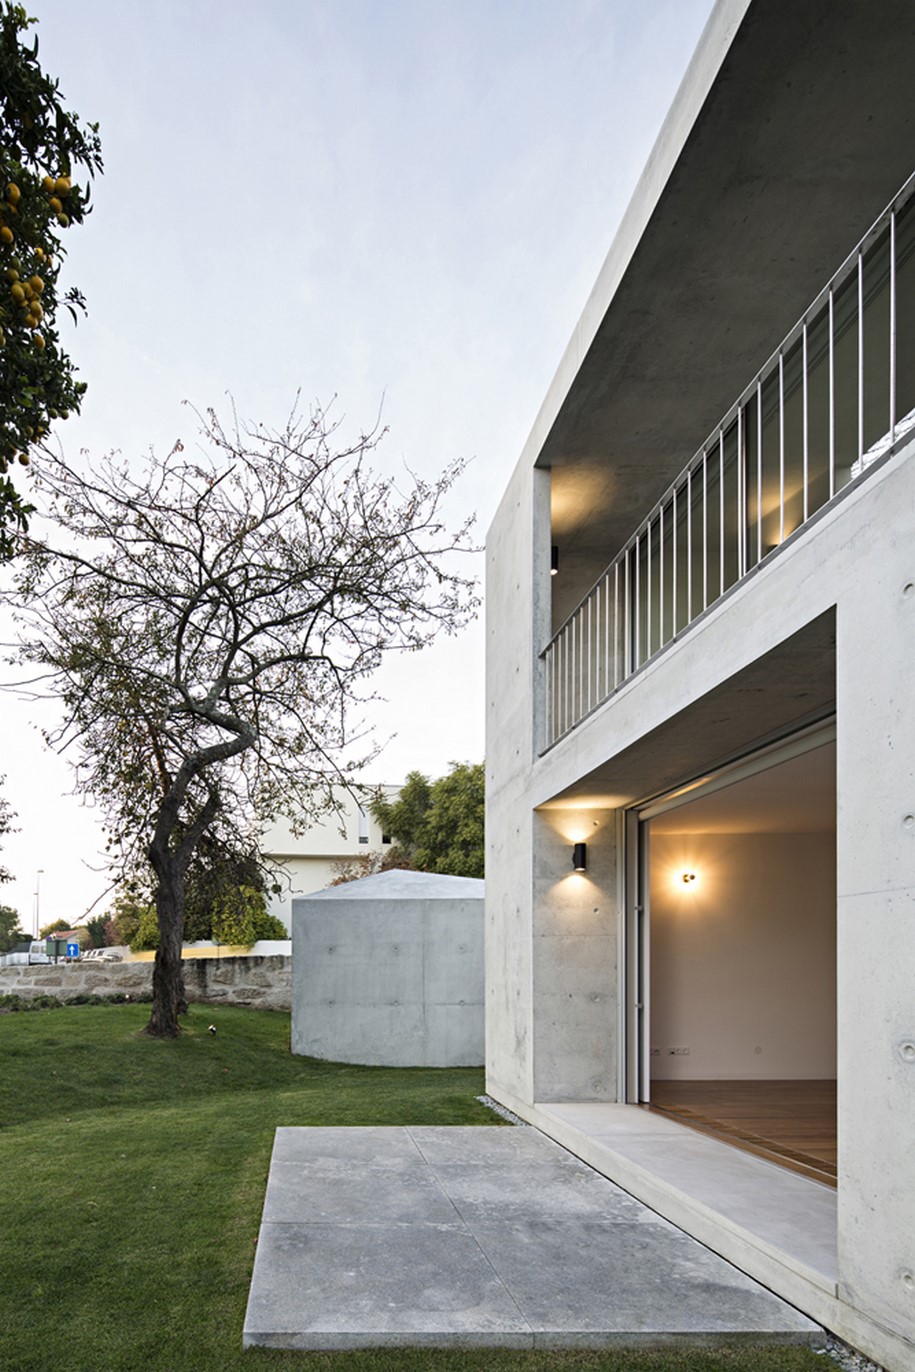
517,556
262,981
743,963
854,562
388,982
875,653
575,943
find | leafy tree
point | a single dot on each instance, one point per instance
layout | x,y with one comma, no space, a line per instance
146,935
101,931
208,624
55,927
438,826
126,911
214,877
11,932
235,917
41,147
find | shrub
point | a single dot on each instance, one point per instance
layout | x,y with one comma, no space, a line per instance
269,926
146,938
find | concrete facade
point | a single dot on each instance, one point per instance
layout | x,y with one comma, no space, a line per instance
388,971
723,249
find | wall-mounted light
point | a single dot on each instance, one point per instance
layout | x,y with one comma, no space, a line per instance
580,857
554,559
688,877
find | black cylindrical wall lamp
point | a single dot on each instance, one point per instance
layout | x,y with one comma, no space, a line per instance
580,857
554,559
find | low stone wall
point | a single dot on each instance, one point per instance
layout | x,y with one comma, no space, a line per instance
262,981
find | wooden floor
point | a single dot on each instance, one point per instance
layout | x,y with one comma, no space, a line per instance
792,1123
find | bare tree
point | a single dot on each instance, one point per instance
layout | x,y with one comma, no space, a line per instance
208,625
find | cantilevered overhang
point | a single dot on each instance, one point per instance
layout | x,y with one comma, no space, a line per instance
792,130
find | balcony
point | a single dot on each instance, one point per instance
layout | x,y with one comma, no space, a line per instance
837,393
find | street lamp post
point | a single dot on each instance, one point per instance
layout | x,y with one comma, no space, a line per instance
38,876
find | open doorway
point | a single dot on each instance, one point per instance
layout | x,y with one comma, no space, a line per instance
741,955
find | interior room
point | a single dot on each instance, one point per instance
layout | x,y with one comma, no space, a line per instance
743,962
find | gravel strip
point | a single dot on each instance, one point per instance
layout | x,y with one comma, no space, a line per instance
501,1110
847,1358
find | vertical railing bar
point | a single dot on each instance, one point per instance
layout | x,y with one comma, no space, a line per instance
553,691
598,656
759,472
567,677
781,446
590,651
689,546
860,354
557,715
705,540
648,590
637,637
605,655
557,657
806,422
892,326
661,577
674,553
832,393
741,498
608,618
627,621
578,667
616,624
721,511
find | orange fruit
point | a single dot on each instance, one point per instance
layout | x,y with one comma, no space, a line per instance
13,193
38,340
56,206
62,185
63,220
17,293
49,184
36,284
6,235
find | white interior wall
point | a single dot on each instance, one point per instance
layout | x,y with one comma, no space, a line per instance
743,959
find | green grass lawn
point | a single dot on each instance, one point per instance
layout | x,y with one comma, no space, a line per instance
133,1180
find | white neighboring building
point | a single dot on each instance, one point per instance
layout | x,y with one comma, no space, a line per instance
708,711
308,860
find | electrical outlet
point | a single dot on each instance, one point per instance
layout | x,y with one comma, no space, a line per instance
678,1052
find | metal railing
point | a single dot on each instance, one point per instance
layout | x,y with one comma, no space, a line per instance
835,395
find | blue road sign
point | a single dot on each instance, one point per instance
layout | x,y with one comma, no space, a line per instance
72,950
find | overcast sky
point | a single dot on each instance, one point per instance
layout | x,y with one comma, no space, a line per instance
397,201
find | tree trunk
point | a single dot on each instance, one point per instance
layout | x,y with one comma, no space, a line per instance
168,978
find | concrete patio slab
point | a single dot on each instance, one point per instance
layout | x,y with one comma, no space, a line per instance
481,1236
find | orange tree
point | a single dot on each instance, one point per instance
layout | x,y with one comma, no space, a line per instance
41,147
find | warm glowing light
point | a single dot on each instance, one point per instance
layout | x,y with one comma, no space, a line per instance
688,877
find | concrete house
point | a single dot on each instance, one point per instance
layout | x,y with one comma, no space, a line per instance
701,681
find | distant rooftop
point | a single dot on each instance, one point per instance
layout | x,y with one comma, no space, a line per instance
400,885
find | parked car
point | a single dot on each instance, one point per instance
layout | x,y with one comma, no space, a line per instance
101,955
24,954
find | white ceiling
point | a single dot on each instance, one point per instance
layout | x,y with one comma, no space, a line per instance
798,796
